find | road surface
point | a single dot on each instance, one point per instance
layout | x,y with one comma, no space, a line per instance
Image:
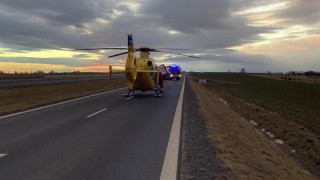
107,136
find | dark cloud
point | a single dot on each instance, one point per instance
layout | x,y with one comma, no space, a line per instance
61,11
190,16
48,24
301,12
206,26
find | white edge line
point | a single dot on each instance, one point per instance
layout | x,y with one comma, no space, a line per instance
170,164
2,155
97,112
64,102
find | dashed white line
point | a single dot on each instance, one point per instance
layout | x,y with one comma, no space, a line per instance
130,97
2,155
89,116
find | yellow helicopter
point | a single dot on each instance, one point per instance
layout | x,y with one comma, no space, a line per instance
141,72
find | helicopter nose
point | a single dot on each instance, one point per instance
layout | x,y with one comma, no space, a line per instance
149,63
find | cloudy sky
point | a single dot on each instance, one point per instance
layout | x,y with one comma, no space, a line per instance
258,35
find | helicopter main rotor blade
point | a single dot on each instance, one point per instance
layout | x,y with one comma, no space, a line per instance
119,54
174,49
92,49
155,50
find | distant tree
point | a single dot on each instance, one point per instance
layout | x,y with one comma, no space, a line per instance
243,70
1,72
15,72
51,72
39,72
312,73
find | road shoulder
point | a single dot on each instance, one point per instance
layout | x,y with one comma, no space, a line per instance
198,152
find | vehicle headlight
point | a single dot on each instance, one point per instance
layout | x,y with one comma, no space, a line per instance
171,75
179,75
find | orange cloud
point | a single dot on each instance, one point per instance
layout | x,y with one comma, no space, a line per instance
10,67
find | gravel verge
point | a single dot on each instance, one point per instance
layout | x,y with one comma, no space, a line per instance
198,155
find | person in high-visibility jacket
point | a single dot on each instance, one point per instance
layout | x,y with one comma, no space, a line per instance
161,82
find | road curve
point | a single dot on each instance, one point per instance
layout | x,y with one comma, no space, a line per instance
107,136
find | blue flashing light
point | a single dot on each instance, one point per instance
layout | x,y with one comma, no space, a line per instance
175,68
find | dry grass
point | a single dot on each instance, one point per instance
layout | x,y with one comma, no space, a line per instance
287,109
18,99
245,153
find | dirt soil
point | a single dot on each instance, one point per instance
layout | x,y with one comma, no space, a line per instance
245,151
286,77
23,98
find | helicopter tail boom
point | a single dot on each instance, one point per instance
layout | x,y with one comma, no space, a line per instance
130,70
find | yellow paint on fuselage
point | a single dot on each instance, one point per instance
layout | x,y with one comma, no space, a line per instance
145,80
130,69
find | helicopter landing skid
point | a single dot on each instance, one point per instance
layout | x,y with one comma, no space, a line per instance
130,93
159,95
158,92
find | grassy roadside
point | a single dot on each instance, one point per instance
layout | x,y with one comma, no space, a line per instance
296,101
244,152
18,99
290,110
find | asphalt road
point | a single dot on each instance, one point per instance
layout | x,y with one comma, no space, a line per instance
107,136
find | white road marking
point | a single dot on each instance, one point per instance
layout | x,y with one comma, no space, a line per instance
64,102
89,116
2,155
130,97
170,164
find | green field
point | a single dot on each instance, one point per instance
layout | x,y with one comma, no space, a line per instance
296,101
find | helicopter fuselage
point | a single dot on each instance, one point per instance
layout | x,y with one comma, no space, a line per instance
141,72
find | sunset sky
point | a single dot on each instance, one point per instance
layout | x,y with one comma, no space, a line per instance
228,35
